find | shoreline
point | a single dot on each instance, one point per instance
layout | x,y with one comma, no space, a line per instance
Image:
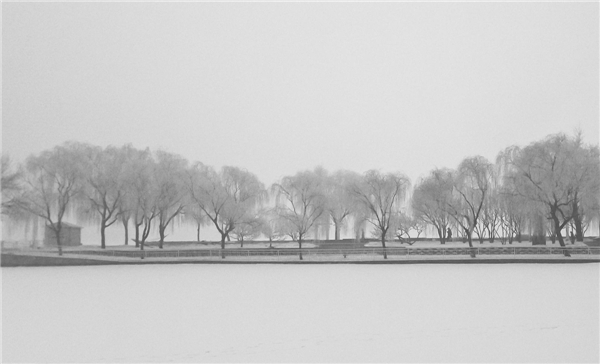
45,259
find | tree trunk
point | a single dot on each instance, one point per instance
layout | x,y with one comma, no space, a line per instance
492,234
198,233
300,247
103,235
538,236
161,232
577,221
146,231
557,229
223,245
337,230
58,242
470,240
383,232
126,227
242,242
441,235
137,235
142,248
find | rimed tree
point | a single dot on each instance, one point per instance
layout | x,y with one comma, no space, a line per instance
379,196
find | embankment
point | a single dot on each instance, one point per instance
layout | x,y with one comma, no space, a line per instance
26,260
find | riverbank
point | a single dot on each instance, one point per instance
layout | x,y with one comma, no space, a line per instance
34,258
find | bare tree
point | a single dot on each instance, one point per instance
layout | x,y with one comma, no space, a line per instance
10,185
52,181
379,195
407,226
471,189
126,204
249,227
139,195
586,171
340,203
170,199
552,173
103,187
227,198
270,226
515,211
300,201
431,198
193,213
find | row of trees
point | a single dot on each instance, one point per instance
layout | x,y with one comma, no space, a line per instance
551,183
547,186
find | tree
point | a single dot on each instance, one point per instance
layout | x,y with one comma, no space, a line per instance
406,226
169,176
339,203
53,180
470,191
103,187
431,198
126,205
300,202
227,198
270,226
139,193
248,228
193,213
552,173
379,196
490,215
515,211
512,216
10,185
586,171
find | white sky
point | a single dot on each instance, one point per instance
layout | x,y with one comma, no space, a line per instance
281,87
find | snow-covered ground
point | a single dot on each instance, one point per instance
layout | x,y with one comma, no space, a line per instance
292,313
457,243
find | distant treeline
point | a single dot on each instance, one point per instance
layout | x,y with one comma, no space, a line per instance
545,188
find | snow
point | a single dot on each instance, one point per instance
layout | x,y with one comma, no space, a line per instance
302,313
458,243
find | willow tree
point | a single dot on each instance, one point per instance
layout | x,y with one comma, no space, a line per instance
379,196
103,187
271,224
250,227
126,206
517,213
300,202
53,180
10,185
339,202
430,200
170,192
139,193
552,173
586,173
194,214
227,198
471,187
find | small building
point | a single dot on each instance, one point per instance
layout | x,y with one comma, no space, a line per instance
70,235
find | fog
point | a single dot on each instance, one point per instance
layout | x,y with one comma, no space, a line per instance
293,313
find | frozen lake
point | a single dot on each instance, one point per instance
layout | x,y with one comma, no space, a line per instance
310,313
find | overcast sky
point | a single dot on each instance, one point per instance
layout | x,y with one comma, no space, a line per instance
279,87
